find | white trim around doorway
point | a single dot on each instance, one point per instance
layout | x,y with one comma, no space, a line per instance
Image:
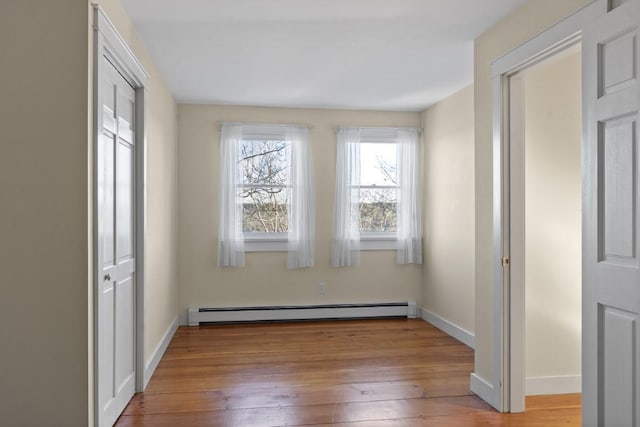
508,383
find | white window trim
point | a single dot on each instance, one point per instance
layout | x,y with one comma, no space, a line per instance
266,242
345,249
262,241
378,241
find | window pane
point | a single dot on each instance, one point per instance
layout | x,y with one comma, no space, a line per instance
264,162
378,209
264,209
264,168
378,164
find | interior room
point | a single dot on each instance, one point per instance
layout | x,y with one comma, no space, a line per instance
553,211
289,212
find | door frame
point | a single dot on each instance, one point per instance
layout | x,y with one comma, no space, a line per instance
109,45
508,391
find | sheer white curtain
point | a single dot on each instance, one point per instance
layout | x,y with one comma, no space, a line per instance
230,236
409,200
345,250
301,209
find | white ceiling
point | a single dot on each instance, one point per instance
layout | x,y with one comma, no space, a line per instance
362,54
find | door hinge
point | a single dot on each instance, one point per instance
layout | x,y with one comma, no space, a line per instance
505,261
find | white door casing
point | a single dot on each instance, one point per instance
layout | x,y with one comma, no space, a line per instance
506,389
119,138
116,246
611,187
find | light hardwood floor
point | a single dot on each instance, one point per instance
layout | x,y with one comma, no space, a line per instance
366,373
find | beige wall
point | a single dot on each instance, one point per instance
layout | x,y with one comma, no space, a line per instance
45,220
265,280
43,213
532,18
448,270
553,204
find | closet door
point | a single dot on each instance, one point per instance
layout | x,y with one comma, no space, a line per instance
116,247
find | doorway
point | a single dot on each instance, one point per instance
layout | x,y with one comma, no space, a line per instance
545,212
119,224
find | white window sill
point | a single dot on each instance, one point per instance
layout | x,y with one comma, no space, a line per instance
263,242
378,242
279,243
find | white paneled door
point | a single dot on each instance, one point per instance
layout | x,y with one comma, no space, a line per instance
611,261
116,246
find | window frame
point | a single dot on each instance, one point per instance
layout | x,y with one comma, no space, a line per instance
266,242
378,240
257,241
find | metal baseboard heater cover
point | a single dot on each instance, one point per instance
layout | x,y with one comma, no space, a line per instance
199,315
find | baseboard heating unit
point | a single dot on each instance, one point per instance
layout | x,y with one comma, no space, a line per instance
199,315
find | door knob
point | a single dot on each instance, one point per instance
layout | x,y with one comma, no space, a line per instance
107,277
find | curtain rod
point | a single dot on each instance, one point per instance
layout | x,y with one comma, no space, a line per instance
303,125
339,128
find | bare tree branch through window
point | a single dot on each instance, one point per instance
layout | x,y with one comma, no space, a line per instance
379,187
265,185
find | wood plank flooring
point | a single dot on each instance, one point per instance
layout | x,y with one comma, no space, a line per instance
365,373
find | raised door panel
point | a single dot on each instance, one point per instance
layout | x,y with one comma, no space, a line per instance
617,202
619,339
125,201
124,335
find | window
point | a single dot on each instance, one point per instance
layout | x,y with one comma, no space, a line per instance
377,205
378,189
265,186
266,194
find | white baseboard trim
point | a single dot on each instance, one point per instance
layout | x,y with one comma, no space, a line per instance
446,326
553,385
152,364
483,389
